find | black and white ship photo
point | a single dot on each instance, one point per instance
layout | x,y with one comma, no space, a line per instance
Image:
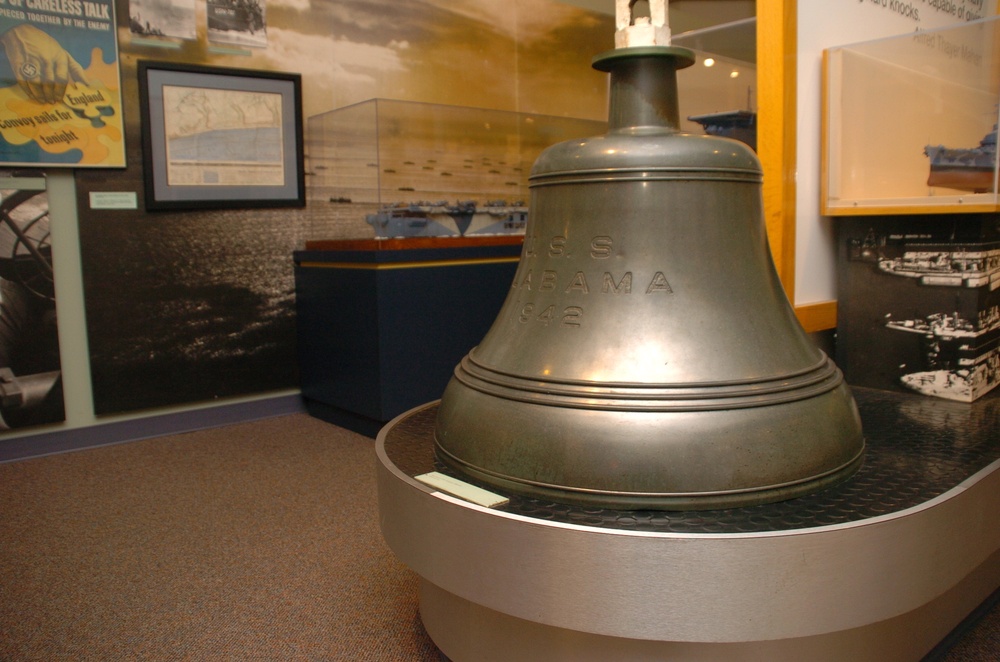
961,356
162,18
237,22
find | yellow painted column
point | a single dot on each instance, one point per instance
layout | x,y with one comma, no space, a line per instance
776,124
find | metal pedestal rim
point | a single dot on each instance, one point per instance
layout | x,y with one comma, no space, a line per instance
695,588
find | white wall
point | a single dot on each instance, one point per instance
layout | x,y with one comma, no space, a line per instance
822,24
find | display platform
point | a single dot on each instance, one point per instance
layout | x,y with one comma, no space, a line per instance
383,323
880,567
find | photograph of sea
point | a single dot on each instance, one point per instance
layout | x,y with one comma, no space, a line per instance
210,303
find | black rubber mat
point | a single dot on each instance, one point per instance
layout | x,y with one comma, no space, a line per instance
918,447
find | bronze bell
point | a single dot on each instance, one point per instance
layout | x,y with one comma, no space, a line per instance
646,356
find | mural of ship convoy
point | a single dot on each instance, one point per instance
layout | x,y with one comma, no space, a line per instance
443,219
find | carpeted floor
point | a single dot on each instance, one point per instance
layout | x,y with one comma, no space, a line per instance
977,639
254,541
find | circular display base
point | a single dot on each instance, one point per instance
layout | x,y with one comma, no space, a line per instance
881,566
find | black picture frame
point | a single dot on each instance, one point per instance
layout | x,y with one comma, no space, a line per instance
251,157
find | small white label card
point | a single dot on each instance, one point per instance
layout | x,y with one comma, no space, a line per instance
462,490
114,200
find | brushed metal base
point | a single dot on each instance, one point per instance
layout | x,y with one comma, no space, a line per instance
465,630
497,584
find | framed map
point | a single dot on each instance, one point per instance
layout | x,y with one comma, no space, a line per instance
220,138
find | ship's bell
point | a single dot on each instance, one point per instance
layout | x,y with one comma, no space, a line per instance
646,356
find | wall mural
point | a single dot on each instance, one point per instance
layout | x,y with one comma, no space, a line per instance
30,378
192,306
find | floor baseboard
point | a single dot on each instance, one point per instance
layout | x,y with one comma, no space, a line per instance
117,432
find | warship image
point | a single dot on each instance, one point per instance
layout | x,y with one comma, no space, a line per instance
964,384
963,357
952,326
969,266
441,219
970,169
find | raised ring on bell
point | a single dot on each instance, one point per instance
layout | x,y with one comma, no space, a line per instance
701,396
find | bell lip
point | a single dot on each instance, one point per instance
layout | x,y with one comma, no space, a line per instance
607,60
670,501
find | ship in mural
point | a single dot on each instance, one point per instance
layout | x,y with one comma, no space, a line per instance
442,219
962,355
972,169
968,266
964,384
951,325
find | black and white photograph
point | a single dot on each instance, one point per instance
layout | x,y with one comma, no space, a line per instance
30,379
237,22
162,18
924,310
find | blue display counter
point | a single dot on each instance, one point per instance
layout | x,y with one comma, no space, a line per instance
382,323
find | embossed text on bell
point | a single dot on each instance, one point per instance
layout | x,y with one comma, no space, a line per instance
646,355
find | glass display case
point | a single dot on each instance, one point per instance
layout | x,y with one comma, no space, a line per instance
444,191
910,123
413,169
389,168
718,94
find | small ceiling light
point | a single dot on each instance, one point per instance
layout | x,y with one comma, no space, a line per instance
734,74
709,61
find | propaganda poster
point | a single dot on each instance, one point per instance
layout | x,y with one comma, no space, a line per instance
60,95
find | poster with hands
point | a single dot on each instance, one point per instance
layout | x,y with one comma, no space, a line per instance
60,92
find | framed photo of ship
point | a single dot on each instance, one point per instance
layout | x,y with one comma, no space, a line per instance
220,138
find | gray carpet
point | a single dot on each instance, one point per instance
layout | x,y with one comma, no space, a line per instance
254,541
257,541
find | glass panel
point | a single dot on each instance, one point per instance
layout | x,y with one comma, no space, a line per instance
911,121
